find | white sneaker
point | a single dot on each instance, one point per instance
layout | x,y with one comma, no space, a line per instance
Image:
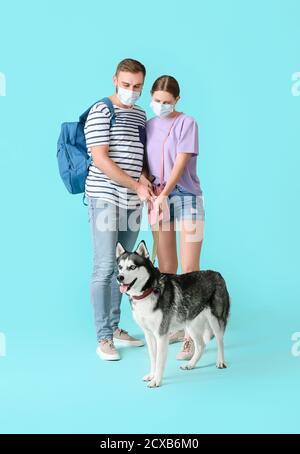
187,351
107,351
122,337
176,336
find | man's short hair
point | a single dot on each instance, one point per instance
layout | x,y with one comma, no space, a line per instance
131,66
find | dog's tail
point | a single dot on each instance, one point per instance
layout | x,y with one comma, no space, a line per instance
222,302
226,309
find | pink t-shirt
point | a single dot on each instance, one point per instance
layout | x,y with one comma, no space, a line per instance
183,138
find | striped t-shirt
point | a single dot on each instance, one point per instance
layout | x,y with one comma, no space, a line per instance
126,148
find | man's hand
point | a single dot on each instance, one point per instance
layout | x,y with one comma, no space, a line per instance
144,192
144,180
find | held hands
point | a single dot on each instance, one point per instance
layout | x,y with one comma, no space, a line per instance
144,189
144,180
145,192
158,207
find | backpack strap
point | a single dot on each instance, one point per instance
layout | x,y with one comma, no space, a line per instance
83,199
109,104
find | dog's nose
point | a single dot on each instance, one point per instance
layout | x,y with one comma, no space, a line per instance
120,278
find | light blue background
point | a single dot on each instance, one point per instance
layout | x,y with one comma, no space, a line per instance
234,60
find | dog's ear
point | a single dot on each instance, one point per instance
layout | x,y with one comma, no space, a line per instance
119,249
142,249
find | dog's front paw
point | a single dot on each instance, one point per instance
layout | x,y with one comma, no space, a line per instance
221,365
187,366
148,377
154,383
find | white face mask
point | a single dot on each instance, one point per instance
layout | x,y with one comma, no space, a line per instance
162,110
128,97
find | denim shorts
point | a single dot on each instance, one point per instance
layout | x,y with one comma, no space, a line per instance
185,205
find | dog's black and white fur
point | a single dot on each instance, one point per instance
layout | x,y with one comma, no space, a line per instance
197,301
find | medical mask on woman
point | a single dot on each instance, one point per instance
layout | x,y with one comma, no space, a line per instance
128,97
162,110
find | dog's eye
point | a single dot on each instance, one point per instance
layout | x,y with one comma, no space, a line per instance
120,267
133,267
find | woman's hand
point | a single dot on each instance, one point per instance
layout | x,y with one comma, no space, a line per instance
159,202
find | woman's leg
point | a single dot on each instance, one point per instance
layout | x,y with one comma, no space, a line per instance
191,238
168,261
166,251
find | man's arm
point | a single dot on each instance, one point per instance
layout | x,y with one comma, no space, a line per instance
145,170
103,162
145,177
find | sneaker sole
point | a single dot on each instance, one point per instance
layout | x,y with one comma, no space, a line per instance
106,357
184,359
174,341
128,343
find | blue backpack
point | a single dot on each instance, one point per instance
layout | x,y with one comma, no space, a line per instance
72,156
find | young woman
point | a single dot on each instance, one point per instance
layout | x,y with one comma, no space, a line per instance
176,135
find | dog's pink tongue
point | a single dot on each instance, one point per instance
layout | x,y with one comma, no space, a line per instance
123,288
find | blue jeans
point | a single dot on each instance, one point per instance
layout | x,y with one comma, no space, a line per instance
109,224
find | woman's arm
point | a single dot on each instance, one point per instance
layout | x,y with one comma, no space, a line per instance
178,169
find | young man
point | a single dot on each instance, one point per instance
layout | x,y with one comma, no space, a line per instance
115,188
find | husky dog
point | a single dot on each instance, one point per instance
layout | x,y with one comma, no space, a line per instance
197,301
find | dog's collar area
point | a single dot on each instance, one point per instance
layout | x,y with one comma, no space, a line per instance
145,293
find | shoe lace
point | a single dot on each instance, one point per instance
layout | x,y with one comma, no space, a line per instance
187,345
110,342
